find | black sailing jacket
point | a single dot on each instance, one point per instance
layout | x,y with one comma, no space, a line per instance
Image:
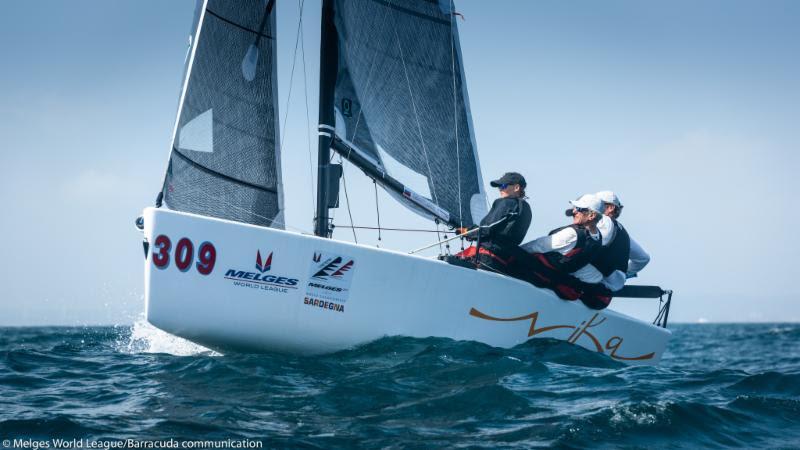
507,235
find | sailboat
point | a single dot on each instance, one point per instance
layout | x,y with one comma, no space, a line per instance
221,270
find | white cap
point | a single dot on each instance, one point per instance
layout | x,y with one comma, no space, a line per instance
590,202
609,197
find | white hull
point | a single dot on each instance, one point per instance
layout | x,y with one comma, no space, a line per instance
280,306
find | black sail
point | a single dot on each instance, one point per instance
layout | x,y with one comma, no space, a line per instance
225,159
401,104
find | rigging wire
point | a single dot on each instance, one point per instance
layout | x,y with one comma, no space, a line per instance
347,200
410,230
291,78
438,238
289,96
308,119
416,116
446,242
455,109
377,209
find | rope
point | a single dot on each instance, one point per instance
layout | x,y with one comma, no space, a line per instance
663,309
489,268
660,311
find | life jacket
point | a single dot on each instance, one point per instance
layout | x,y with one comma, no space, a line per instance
582,254
615,255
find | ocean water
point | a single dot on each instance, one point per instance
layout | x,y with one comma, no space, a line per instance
718,386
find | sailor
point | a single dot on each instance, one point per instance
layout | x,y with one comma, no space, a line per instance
571,248
561,260
505,226
621,257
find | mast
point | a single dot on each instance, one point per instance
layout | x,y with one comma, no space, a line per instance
328,65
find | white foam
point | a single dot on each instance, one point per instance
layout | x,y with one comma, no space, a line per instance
624,415
145,338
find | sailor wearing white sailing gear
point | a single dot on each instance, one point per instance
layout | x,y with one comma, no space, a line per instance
625,266
583,232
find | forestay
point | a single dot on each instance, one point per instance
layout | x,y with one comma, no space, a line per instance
401,104
225,159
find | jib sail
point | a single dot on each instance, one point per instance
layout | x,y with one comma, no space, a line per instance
402,108
225,159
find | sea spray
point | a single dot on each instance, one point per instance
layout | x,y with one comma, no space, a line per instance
142,337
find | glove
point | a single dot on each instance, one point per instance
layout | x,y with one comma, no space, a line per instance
470,237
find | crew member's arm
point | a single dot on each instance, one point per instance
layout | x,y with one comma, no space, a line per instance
607,229
615,281
637,260
501,208
561,242
588,274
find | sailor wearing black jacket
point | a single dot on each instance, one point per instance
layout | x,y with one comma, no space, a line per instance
505,226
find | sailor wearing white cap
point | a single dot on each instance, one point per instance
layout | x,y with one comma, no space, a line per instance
621,257
569,249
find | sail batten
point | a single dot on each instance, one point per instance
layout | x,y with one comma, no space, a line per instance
225,158
221,175
400,99
238,25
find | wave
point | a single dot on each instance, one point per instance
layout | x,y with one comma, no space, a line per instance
136,381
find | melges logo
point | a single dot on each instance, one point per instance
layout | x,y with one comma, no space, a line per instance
265,266
262,280
332,268
329,279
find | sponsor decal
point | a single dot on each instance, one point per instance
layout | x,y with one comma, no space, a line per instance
324,304
261,280
266,265
329,279
612,345
184,255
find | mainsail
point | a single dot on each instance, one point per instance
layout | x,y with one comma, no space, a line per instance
401,105
225,159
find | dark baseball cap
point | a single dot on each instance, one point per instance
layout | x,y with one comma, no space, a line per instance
509,178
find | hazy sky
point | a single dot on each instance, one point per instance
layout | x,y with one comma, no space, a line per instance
688,110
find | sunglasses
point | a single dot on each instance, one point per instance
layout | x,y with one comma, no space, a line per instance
581,210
